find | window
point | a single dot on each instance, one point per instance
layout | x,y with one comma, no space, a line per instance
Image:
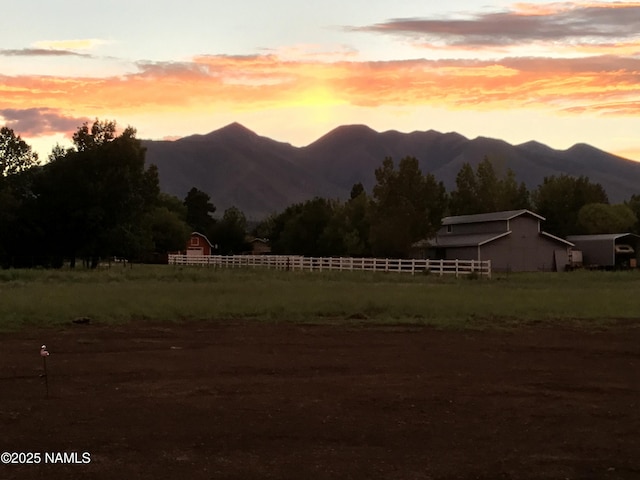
195,241
449,228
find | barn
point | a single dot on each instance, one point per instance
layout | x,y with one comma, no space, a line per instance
199,244
513,241
611,250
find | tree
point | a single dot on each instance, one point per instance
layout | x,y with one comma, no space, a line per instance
168,232
595,218
464,199
15,155
18,224
484,191
299,229
356,190
94,197
407,206
513,195
199,211
559,199
356,224
634,204
488,187
100,133
230,232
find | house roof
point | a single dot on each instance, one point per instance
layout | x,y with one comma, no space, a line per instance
488,217
598,238
471,240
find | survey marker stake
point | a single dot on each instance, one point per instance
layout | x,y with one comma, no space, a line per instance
44,353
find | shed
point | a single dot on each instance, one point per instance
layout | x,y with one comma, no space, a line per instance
607,250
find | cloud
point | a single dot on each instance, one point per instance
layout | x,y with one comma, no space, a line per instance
40,121
78,44
40,52
572,22
605,84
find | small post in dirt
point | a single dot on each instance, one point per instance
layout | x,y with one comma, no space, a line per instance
44,353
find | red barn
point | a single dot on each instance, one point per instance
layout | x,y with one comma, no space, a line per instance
199,244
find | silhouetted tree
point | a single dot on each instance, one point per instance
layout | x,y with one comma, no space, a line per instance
484,191
559,199
595,218
15,154
199,211
407,206
230,232
299,229
634,204
93,198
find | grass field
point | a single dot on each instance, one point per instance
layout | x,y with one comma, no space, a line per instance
118,294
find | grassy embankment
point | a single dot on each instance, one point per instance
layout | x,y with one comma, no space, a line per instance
168,293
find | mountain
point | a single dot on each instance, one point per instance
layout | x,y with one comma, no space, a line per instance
261,176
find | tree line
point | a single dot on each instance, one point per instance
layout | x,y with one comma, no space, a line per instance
93,201
407,206
98,199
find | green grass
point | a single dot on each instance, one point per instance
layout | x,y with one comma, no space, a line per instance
168,293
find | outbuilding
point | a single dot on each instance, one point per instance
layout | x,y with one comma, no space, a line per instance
610,250
513,241
199,244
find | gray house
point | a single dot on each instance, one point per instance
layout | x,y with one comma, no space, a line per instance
512,240
608,250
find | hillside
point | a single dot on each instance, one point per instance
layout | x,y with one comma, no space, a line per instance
260,176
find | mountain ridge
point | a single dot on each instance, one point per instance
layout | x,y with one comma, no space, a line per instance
259,175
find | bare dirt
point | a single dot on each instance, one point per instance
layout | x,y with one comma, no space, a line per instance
247,401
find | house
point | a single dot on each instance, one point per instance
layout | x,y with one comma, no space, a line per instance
199,244
611,250
512,240
259,246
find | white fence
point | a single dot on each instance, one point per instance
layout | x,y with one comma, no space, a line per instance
292,262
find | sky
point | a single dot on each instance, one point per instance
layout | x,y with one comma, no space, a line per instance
559,73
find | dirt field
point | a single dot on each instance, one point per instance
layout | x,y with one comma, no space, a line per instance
249,401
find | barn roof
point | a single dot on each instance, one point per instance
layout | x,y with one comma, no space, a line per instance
598,238
479,239
203,236
489,217
557,239
471,240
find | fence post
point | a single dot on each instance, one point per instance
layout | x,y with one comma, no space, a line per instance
456,268
441,267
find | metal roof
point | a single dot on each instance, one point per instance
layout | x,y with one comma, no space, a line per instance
473,240
488,217
558,239
598,238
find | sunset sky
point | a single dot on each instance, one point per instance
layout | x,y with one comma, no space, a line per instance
560,73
